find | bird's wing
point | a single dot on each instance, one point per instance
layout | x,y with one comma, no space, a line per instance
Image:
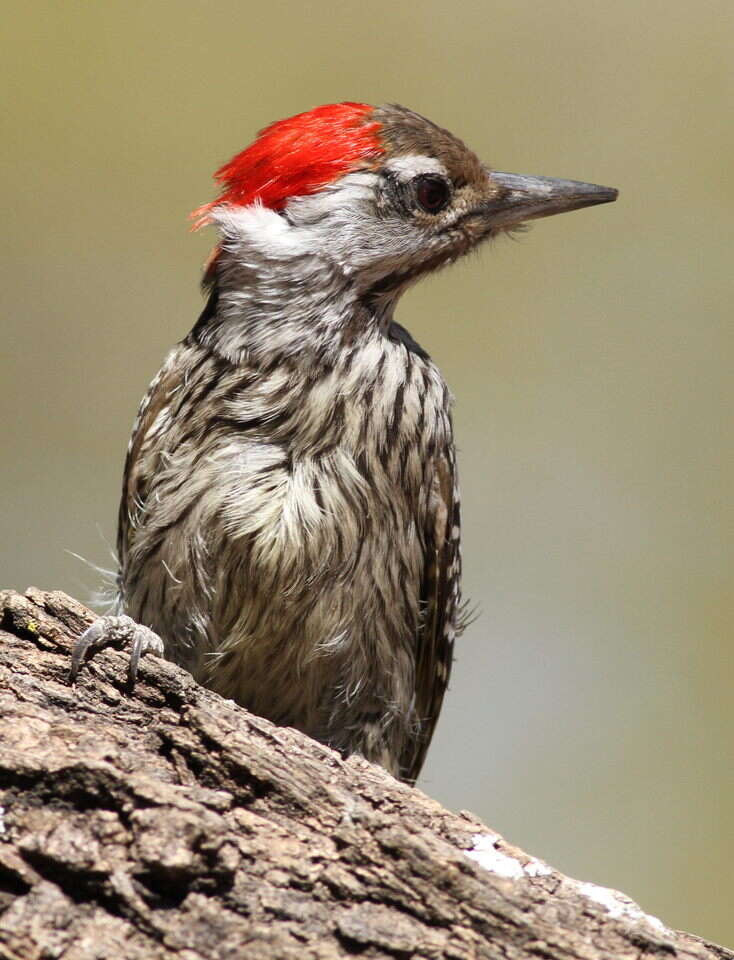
440,602
138,470
170,408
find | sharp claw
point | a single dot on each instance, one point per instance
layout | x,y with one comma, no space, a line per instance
144,641
135,653
88,639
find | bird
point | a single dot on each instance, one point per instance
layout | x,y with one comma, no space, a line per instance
289,526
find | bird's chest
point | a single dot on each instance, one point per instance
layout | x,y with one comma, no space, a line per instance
386,410
341,465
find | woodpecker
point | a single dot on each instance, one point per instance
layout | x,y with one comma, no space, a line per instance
289,524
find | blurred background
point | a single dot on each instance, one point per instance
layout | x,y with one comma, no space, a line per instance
590,718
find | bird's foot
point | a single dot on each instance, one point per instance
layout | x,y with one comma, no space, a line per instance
119,633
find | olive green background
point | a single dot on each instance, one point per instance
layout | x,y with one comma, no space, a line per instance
590,718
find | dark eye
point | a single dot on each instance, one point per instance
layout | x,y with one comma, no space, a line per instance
432,193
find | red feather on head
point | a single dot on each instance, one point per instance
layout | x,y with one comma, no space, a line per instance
296,157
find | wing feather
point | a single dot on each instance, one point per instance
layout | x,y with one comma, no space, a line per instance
440,598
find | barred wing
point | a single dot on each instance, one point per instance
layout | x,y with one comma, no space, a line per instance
440,603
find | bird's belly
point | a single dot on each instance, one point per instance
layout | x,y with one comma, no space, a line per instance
308,609
324,620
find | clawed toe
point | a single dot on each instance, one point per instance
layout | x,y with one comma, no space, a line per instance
144,641
118,633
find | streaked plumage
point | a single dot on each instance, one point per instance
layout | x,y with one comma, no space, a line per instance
289,523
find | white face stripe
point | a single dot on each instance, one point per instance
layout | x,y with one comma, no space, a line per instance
261,230
405,168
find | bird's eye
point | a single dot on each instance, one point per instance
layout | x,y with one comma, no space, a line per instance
431,192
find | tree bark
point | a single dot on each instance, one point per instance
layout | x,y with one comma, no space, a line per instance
171,823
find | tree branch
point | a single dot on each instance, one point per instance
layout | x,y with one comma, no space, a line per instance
174,824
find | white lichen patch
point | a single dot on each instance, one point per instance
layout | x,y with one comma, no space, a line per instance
536,868
2,821
485,852
619,906
486,855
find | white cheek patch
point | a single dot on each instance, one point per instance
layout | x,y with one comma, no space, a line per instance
352,192
344,228
257,227
405,168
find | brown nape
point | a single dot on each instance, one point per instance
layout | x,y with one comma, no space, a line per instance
406,133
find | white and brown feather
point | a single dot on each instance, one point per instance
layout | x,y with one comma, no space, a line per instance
301,556
289,521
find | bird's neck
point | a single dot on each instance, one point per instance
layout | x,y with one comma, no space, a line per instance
274,299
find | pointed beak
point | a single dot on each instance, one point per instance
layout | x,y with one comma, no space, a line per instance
522,197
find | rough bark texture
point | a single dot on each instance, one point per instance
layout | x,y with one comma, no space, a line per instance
172,823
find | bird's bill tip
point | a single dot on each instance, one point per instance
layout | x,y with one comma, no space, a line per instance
522,197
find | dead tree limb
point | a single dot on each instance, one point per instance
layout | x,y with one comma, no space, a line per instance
174,824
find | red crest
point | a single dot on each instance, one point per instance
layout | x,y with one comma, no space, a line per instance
296,157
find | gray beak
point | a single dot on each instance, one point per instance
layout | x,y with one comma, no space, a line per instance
527,198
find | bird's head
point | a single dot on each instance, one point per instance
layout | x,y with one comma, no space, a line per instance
381,193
